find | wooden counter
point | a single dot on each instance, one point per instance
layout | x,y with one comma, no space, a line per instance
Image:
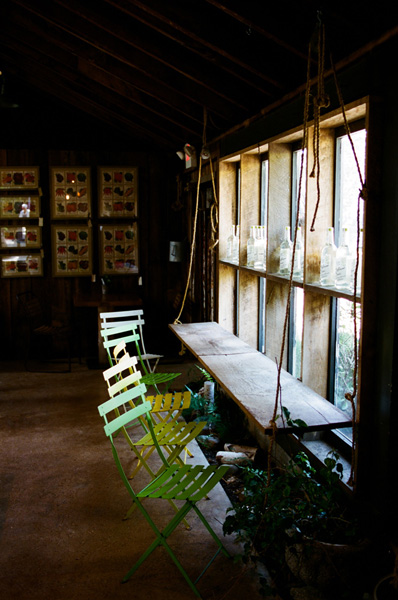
250,378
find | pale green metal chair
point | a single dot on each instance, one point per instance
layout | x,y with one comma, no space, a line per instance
185,483
121,326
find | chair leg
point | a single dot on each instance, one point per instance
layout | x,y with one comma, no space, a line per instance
161,540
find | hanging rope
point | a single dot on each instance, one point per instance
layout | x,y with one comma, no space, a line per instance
362,194
213,218
320,100
278,394
213,212
177,320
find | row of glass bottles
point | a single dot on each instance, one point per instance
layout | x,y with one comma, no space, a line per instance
257,248
338,264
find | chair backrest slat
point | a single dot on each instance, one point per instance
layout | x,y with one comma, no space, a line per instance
123,419
124,365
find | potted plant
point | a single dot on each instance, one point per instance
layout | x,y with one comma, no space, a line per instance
296,519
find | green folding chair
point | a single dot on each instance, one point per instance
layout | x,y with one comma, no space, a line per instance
186,483
128,331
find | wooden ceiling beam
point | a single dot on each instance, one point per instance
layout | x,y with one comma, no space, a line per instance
115,39
202,46
256,27
57,60
72,89
60,46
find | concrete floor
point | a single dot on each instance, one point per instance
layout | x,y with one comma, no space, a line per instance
62,534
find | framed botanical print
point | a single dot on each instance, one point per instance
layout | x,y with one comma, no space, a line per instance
20,237
14,207
70,192
19,178
71,250
118,249
22,265
118,192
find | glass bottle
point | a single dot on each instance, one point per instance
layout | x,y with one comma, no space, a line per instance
264,239
258,248
298,256
285,256
328,260
250,248
230,241
343,275
235,247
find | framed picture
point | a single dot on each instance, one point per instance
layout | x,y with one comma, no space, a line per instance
71,250
19,178
20,237
70,189
12,207
118,249
118,192
22,265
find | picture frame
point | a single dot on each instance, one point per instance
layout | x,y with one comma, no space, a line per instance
19,178
26,265
118,249
70,191
71,250
20,236
11,207
118,192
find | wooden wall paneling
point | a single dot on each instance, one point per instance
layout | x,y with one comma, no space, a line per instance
276,301
250,169
316,239
315,355
227,291
248,308
279,201
227,203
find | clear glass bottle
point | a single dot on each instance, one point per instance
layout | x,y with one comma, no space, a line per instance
328,260
235,246
298,268
343,275
258,248
230,241
285,255
250,248
264,239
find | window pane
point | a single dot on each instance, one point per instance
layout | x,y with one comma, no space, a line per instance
348,185
297,299
345,353
297,321
262,282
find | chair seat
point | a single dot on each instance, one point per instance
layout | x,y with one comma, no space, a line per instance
184,483
172,433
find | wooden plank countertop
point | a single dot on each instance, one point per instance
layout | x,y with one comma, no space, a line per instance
250,378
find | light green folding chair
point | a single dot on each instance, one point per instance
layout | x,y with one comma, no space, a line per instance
127,325
186,483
